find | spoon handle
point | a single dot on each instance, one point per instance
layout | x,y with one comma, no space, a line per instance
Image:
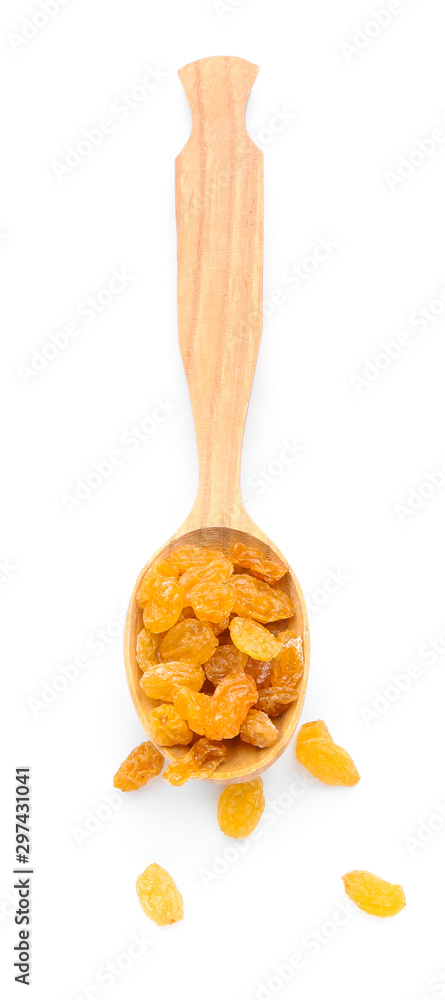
219,217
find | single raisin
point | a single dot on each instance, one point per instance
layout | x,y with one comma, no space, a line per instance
185,556
159,896
323,759
162,680
256,599
258,729
240,808
164,600
274,701
193,706
168,728
189,640
146,649
142,763
229,705
254,639
200,762
373,894
249,557
287,668
217,571
212,602
224,661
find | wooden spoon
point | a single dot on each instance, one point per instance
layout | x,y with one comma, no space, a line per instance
219,213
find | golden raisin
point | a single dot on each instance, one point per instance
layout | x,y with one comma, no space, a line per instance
256,599
249,557
260,671
287,668
224,661
373,894
212,602
162,680
220,627
193,706
142,763
258,729
199,762
189,640
323,759
185,556
252,638
146,649
168,728
163,603
275,700
217,571
229,705
240,808
159,896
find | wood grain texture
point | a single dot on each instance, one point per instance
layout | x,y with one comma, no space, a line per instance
219,207
219,214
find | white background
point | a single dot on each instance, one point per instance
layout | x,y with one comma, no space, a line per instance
362,449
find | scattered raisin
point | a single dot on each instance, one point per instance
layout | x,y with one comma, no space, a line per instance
240,808
142,763
159,896
322,757
373,894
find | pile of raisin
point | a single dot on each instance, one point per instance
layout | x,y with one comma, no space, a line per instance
212,652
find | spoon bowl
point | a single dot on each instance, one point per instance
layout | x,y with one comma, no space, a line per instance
219,213
244,761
